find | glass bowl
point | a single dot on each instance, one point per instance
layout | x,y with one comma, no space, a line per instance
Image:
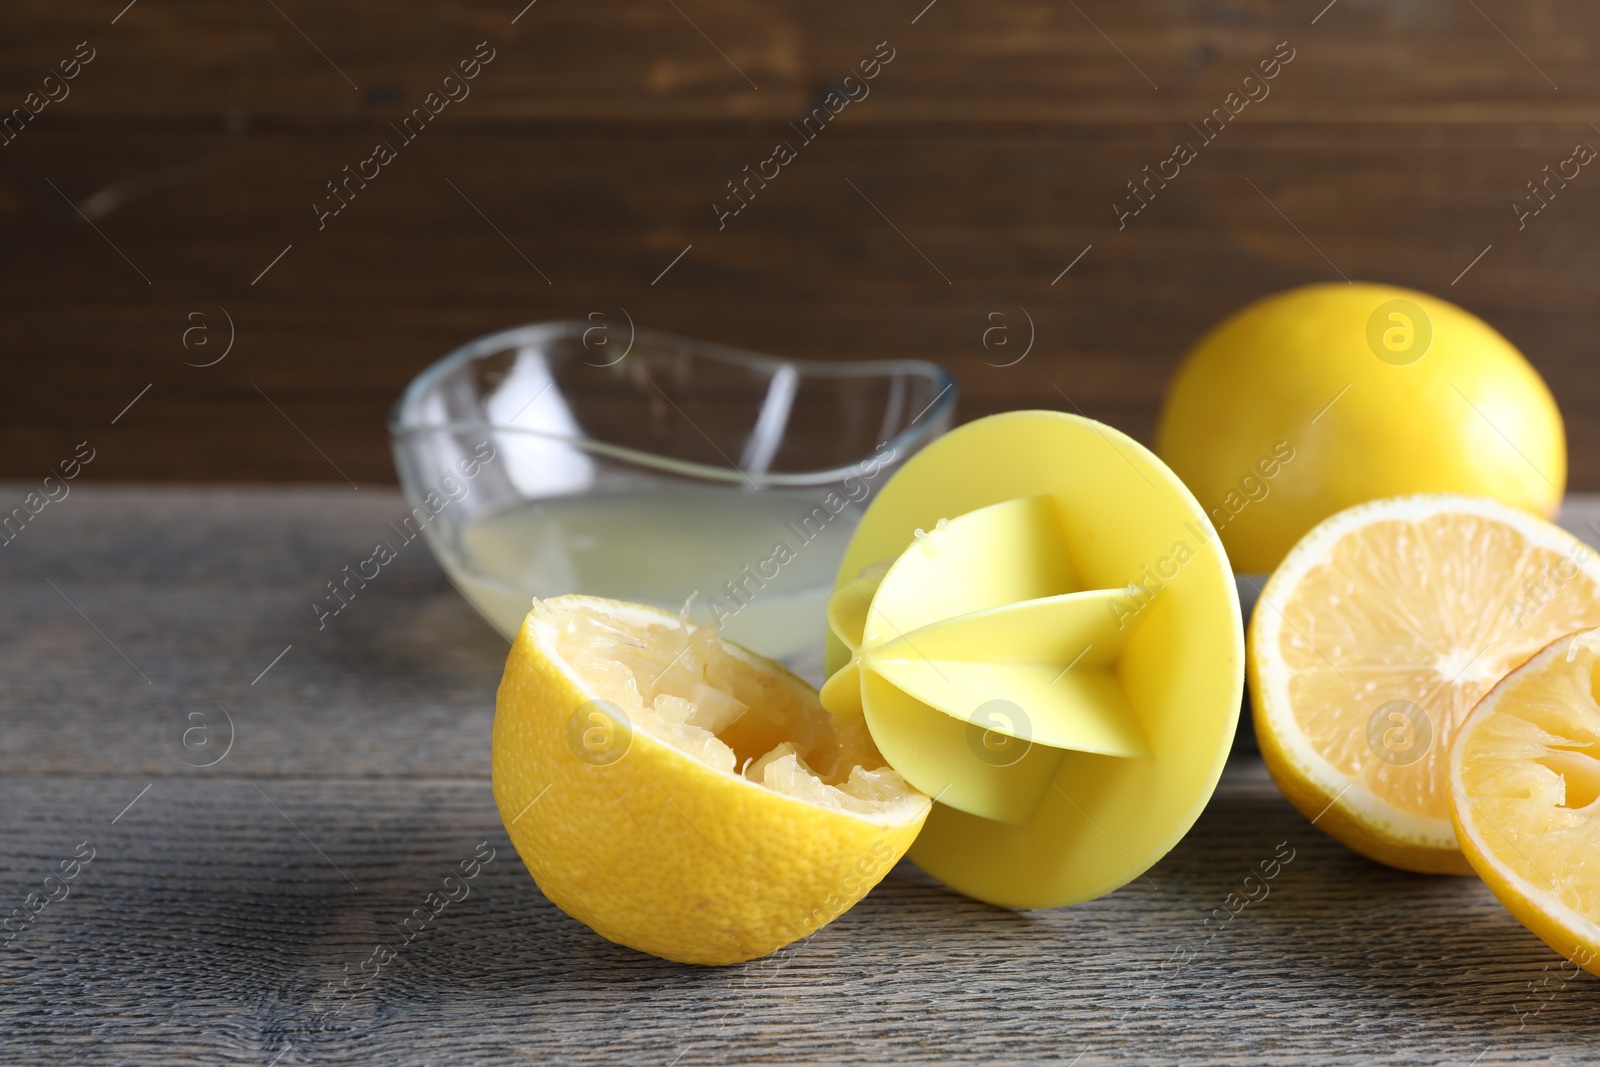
561,458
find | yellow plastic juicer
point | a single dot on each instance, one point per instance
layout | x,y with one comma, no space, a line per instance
1042,629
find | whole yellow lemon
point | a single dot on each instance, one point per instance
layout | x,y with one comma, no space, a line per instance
1319,398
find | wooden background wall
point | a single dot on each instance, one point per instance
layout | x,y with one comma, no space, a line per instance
192,147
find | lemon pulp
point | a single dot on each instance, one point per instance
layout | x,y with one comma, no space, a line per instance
681,685
1525,778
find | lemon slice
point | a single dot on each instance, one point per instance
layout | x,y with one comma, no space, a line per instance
682,795
1524,781
1380,631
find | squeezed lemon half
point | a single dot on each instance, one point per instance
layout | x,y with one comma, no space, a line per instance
1524,783
682,795
1375,638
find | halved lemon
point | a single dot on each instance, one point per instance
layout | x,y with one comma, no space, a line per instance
682,795
1525,795
1376,636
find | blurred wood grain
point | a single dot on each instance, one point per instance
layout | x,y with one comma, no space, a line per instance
189,152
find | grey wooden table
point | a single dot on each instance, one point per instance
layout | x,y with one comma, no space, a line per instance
218,902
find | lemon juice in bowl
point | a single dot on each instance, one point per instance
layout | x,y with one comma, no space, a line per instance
760,564
566,458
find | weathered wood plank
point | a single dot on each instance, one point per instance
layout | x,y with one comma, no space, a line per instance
1430,61
409,269
206,926
221,900
997,139
200,591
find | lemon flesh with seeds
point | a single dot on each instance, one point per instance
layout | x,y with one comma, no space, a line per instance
1377,635
681,795
1524,778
